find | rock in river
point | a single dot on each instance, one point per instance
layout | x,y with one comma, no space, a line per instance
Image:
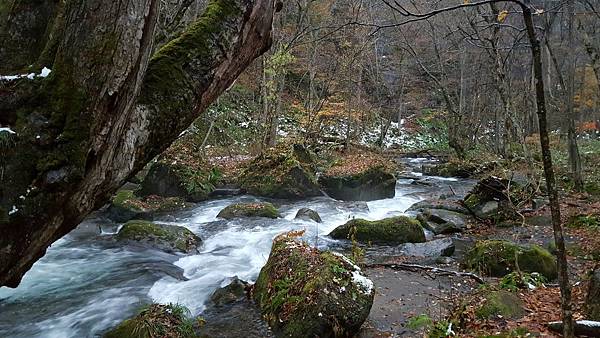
168,238
388,231
249,210
304,292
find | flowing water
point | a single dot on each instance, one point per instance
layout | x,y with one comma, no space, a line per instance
88,283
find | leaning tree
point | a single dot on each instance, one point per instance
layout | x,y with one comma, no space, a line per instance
112,102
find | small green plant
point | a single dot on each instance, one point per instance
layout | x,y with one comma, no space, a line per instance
441,329
591,222
519,280
420,321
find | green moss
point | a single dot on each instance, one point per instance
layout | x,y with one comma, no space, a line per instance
303,292
167,237
584,221
501,303
281,172
156,321
499,258
395,230
472,201
267,210
123,199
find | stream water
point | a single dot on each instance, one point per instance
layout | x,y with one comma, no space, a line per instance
88,283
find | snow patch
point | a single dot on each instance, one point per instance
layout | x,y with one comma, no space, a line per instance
8,130
44,73
363,282
14,210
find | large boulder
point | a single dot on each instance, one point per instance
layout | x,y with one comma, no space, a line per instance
240,210
126,205
282,172
592,301
440,221
181,171
168,238
304,292
308,214
498,258
360,177
388,231
156,320
443,204
498,199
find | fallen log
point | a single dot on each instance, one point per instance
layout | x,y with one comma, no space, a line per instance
582,328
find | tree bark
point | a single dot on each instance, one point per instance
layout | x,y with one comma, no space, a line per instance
563,277
108,108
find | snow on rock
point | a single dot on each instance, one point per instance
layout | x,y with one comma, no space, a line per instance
7,130
44,73
363,282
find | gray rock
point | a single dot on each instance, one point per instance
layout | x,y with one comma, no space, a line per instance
444,204
440,221
234,292
435,248
168,238
308,214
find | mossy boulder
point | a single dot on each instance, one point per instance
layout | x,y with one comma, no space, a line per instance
308,214
234,292
126,205
592,300
168,238
389,231
239,210
450,169
498,258
156,321
286,172
360,177
304,292
501,303
498,199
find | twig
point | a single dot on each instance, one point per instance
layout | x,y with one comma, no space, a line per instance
416,267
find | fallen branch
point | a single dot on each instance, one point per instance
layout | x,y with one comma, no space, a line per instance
582,328
416,267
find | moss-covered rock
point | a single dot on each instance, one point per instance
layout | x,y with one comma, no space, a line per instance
181,171
126,205
169,238
501,303
304,292
394,230
238,210
450,169
282,172
498,258
308,214
440,221
360,177
498,199
235,291
156,321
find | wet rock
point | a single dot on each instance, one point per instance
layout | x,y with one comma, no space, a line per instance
249,210
394,230
440,221
126,205
501,303
287,173
155,321
234,292
374,180
168,238
435,248
592,300
443,204
498,258
303,292
308,214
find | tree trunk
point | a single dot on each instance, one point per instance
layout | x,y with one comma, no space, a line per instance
563,277
108,108
574,158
